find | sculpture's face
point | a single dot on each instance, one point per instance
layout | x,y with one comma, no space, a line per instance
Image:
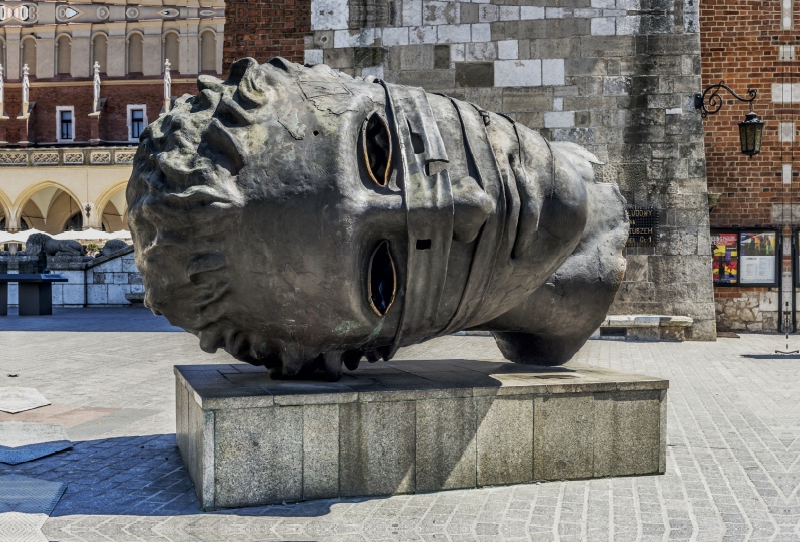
253,246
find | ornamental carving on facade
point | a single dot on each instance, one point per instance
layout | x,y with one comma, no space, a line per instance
13,158
44,158
100,158
124,157
73,158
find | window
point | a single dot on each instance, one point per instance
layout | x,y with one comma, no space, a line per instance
65,123
137,121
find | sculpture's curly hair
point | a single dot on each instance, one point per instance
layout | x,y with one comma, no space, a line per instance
191,177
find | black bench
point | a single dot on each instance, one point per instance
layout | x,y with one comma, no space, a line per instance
35,293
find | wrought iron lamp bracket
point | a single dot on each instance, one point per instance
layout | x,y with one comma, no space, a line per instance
710,102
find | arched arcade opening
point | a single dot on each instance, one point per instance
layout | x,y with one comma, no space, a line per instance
115,212
52,210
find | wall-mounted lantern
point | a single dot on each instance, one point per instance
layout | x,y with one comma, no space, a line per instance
751,129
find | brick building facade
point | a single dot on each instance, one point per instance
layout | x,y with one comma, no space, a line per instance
753,45
266,29
64,159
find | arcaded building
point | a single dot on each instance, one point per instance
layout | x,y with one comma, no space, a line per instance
65,157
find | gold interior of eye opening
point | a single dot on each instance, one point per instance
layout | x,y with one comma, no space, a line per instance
379,272
377,142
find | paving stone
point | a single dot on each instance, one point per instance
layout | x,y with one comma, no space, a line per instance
731,465
21,442
14,400
25,504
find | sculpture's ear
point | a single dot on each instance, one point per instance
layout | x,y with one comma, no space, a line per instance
574,148
239,69
253,81
283,64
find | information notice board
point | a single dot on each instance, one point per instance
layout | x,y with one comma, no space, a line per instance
744,256
758,257
725,258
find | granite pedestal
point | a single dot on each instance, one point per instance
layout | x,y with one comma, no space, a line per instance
412,426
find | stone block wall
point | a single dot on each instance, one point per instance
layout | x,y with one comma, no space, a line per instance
614,75
746,309
109,281
102,282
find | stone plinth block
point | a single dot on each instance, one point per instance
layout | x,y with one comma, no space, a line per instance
412,426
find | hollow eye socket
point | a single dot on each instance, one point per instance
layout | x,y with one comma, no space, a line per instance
381,279
377,147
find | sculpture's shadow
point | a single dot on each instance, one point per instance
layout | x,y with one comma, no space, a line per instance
90,320
771,356
136,476
145,475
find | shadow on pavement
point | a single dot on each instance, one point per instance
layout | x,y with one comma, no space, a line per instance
89,320
771,356
135,476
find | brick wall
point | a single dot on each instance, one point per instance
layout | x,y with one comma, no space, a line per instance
741,44
113,122
264,29
614,75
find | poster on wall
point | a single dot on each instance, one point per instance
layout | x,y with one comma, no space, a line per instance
758,257
725,257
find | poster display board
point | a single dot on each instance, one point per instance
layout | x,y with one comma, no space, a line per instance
725,257
758,257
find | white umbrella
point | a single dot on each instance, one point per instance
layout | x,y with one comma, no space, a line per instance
121,234
6,237
90,234
24,234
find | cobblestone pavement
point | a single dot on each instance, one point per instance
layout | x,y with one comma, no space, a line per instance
733,470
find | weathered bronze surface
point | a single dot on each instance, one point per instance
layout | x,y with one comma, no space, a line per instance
302,219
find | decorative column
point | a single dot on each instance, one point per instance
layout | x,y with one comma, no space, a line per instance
25,136
97,107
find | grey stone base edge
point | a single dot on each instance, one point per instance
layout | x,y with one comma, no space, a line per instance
412,426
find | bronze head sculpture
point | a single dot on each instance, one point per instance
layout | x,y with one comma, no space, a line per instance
302,219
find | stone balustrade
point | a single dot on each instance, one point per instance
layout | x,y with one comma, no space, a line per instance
68,156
